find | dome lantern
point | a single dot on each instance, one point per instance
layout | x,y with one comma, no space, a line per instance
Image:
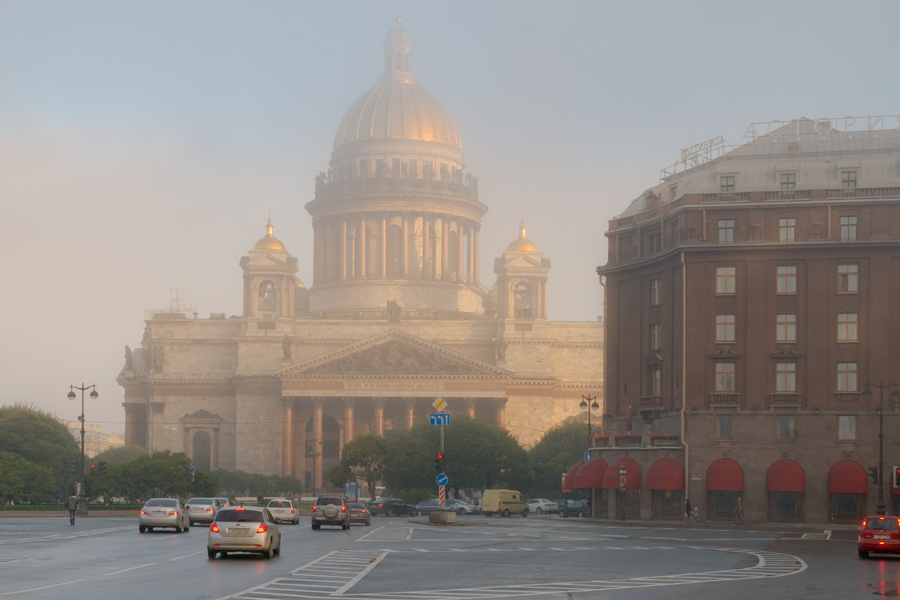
398,55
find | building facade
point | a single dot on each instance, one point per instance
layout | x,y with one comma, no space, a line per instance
395,318
751,301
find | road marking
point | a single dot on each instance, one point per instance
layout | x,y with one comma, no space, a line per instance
62,536
46,587
130,569
185,556
363,573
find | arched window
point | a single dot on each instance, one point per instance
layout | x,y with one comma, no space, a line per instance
268,298
406,61
201,451
522,301
394,251
398,61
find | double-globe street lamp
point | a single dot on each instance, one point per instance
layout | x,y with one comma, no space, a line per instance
590,403
895,395
71,396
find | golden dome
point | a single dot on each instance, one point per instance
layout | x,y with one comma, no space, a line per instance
269,242
522,243
397,108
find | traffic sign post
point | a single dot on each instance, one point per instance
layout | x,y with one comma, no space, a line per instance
442,495
439,419
442,479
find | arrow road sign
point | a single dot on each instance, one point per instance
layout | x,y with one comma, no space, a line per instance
440,419
441,479
192,467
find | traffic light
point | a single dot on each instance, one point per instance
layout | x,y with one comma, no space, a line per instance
101,468
92,469
897,477
74,466
439,461
873,474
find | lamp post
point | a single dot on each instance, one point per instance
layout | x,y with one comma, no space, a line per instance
590,403
867,394
71,396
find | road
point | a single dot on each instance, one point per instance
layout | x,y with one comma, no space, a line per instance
400,558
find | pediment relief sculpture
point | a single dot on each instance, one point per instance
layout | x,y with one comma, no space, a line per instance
394,357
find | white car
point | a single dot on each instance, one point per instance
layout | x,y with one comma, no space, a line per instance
284,510
542,505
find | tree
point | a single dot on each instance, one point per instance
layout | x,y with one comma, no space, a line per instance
39,438
25,481
561,447
121,454
364,457
162,474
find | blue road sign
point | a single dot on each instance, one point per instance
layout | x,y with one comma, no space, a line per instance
587,456
441,479
440,419
192,467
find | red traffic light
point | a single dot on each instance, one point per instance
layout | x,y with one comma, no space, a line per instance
92,469
439,461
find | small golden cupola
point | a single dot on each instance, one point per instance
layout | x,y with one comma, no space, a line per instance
522,280
522,243
269,241
269,281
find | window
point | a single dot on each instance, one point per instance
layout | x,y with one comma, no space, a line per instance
726,184
428,169
725,426
786,229
786,377
724,328
267,293
787,280
522,301
726,231
655,292
848,229
724,280
847,327
379,168
846,428
655,336
673,190
846,377
784,427
847,278
654,243
656,382
785,328
363,169
413,167
787,182
848,180
724,377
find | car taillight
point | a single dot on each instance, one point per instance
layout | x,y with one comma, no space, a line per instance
315,507
292,511
240,509
173,512
144,512
362,510
262,528
214,527
343,509
209,509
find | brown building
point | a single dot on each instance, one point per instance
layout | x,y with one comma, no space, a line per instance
751,299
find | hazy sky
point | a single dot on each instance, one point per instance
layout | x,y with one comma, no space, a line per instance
143,144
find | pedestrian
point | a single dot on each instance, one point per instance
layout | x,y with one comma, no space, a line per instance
687,510
259,497
739,511
72,505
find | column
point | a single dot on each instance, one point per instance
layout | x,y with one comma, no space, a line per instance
379,416
500,414
287,436
317,444
445,231
410,412
460,263
426,244
404,247
475,258
470,263
214,464
328,275
383,260
348,419
344,250
470,407
362,248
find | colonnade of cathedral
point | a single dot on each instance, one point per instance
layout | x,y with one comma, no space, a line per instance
396,245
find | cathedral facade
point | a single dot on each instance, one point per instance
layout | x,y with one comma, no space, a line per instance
396,316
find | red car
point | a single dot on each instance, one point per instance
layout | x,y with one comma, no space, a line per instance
879,534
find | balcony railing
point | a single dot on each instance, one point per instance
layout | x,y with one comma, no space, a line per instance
396,185
726,398
651,402
726,197
885,192
787,195
784,398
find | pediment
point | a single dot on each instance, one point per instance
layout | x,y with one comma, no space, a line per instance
395,354
523,261
265,260
201,416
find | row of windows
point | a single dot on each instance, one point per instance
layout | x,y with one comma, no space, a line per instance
785,328
786,377
786,427
786,228
788,181
785,280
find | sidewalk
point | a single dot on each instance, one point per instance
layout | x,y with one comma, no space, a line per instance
728,525
64,514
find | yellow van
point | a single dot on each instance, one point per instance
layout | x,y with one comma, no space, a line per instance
504,502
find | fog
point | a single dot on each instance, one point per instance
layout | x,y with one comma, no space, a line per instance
143,145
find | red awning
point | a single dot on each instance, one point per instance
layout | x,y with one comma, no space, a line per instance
725,475
785,476
847,477
590,475
665,474
632,475
570,478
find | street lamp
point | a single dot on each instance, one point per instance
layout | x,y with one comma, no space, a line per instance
71,396
880,508
588,401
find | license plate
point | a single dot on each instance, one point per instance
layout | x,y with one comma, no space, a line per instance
882,537
237,530
159,512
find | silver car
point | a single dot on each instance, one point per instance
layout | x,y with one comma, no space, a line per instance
284,510
202,510
463,508
164,512
239,529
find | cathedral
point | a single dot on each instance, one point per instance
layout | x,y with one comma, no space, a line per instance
395,318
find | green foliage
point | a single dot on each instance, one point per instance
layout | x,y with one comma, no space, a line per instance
364,458
161,474
558,450
39,438
122,454
241,483
25,481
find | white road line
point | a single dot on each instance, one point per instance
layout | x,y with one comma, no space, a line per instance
361,574
409,535
131,569
363,537
185,556
46,587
